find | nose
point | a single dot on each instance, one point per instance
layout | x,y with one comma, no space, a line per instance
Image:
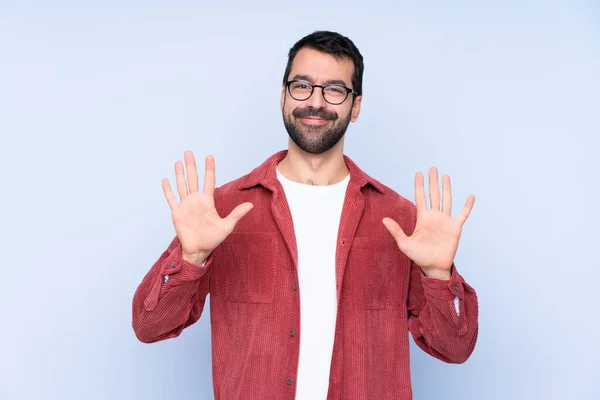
316,100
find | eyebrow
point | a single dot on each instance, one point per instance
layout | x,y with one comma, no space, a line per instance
329,82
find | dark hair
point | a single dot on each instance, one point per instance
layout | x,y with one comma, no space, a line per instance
331,43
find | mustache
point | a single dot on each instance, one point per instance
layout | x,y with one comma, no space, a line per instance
313,112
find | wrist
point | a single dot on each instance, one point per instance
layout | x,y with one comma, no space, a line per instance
443,275
198,258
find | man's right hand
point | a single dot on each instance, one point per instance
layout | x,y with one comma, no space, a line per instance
199,227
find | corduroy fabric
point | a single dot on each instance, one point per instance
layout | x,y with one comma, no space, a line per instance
254,296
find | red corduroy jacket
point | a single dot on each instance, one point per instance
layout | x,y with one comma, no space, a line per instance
255,298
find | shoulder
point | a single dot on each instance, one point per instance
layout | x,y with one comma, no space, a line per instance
230,195
230,188
246,188
384,194
393,204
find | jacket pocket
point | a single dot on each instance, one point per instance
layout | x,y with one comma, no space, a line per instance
250,259
378,273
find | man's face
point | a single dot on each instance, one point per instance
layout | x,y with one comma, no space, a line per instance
314,125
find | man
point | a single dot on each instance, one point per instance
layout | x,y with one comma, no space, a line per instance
314,282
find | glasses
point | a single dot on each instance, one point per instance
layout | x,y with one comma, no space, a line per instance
333,94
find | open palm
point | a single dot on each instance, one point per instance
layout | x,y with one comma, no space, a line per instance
434,241
199,227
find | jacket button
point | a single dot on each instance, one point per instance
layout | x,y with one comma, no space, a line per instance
173,265
456,288
292,333
294,288
290,381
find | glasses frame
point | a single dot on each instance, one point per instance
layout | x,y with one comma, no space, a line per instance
348,91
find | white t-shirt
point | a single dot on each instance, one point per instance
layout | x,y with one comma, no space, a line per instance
316,213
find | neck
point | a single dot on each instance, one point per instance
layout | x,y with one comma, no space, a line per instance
314,169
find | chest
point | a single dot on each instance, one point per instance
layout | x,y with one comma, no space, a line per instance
257,267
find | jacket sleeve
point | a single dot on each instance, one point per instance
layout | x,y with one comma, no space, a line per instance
432,318
170,297
433,321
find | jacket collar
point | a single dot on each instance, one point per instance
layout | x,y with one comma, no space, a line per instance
266,175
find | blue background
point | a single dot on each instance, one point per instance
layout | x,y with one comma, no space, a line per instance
99,99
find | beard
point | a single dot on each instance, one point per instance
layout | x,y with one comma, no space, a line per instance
315,139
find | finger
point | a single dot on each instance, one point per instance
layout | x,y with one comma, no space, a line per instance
434,189
192,172
395,230
447,195
209,175
234,216
420,197
466,211
169,194
181,185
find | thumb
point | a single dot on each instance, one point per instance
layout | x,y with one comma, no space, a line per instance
395,230
236,214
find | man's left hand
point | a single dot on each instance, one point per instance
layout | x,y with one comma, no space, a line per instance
434,241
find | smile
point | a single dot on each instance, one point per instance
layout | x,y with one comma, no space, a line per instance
313,121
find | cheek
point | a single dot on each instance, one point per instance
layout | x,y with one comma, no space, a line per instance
287,109
289,106
348,113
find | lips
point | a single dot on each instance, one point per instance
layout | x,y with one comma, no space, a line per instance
313,120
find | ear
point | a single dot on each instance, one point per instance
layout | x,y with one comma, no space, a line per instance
356,108
283,88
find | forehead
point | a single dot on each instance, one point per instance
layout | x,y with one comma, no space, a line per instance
321,67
